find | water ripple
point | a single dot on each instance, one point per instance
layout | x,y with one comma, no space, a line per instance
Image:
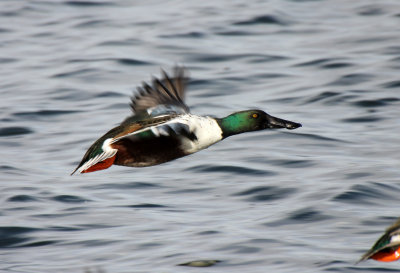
87,4
124,61
147,205
301,216
45,113
369,118
240,249
323,96
14,131
336,65
12,236
229,169
92,23
108,94
130,61
5,60
352,79
367,193
190,35
124,186
326,63
333,69
76,72
232,57
39,243
323,138
266,193
22,198
375,103
69,199
293,163
234,33
371,11
263,19
391,84
307,215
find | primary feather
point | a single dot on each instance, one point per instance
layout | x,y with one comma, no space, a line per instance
166,93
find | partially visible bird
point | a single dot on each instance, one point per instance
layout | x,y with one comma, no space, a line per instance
162,128
387,248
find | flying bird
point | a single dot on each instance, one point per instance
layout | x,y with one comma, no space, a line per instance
387,248
162,128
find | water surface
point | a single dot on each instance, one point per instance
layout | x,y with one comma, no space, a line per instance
309,200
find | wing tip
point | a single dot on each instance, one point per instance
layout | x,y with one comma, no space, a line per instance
363,258
166,89
76,169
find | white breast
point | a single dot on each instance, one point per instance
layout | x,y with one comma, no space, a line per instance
206,129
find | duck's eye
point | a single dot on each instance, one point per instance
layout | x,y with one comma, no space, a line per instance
255,115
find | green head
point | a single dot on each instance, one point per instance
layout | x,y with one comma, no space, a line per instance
252,120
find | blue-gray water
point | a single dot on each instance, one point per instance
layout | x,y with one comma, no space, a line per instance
309,200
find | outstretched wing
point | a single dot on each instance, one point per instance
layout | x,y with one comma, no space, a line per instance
163,96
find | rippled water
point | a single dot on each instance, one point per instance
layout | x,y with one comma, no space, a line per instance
309,200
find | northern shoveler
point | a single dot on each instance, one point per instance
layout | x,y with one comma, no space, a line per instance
387,248
162,128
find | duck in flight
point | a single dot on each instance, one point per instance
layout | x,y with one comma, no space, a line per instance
162,128
387,247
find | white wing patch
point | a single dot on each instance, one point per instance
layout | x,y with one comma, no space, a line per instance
173,127
108,152
164,109
395,238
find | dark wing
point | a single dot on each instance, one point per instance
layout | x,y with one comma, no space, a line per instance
163,96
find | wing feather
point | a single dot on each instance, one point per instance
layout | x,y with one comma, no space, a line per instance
97,159
172,128
166,92
97,153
